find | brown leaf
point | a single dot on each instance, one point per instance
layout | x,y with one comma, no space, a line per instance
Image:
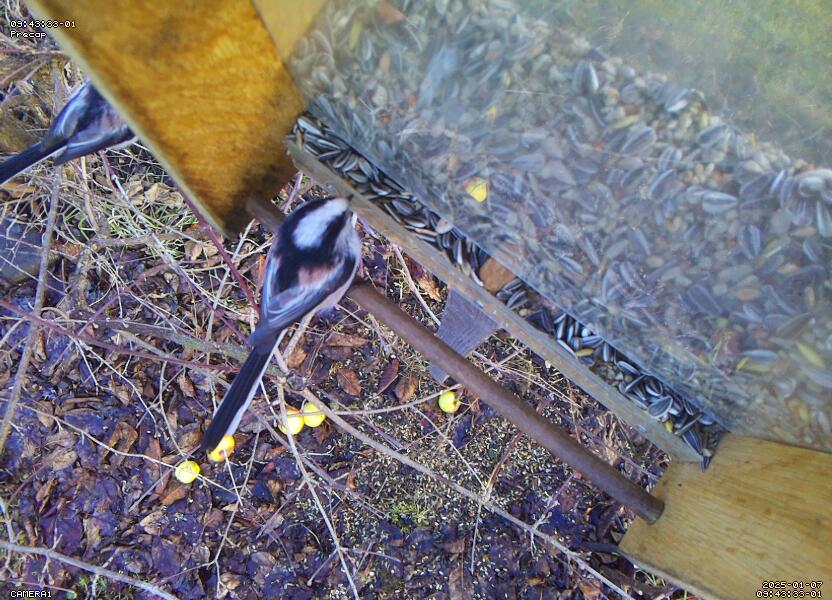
344,339
590,589
494,276
122,439
43,493
389,13
186,385
348,381
431,287
92,532
391,371
406,387
337,352
459,584
297,357
60,459
176,492
212,519
154,523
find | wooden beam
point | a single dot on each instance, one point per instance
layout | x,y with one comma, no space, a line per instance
518,327
761,512
201,84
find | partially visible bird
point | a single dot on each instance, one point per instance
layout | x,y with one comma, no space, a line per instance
86,124
311,264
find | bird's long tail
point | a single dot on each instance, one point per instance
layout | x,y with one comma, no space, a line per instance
238,396
20,162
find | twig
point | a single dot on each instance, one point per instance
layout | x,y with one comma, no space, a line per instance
412,284
52,555
221,248
293,447
34,329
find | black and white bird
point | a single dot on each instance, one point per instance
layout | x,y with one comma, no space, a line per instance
311,264
86,124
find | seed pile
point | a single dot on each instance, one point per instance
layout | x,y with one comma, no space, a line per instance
653,222
681,415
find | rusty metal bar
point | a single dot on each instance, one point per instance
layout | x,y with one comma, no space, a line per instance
512,408
519,413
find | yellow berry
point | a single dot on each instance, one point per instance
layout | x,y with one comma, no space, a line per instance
294,421
312,420
223,449
477,188
448,402
186,471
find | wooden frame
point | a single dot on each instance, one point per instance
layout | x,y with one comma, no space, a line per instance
760,513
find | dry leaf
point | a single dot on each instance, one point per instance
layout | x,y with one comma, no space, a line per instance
297,357
591,590
459,584
61,459
154,522
406,387
494,276
391,371
177,492
43,493
348,381
186,385
343,339
431,287
337,352
212,519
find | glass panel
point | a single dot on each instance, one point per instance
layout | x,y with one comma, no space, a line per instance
659,172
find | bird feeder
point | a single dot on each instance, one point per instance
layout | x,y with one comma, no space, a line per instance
657,177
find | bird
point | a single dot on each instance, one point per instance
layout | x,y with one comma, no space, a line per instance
86,124
310,265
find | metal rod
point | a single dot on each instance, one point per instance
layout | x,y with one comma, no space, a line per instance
515,410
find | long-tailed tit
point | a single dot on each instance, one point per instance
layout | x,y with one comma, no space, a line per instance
86,124
311,264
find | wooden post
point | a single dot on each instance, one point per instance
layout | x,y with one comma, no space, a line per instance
762,512
202,85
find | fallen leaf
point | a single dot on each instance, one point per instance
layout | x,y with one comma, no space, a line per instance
391,371
154,523
337,352
344,339
348,381
186,385
494,276
61,459
460,586
406,387
297,357
591,590
176,492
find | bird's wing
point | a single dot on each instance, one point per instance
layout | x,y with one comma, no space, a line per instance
92,140
76,111
279,311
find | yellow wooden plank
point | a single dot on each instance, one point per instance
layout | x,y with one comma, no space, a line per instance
760,513
287,20
200,82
